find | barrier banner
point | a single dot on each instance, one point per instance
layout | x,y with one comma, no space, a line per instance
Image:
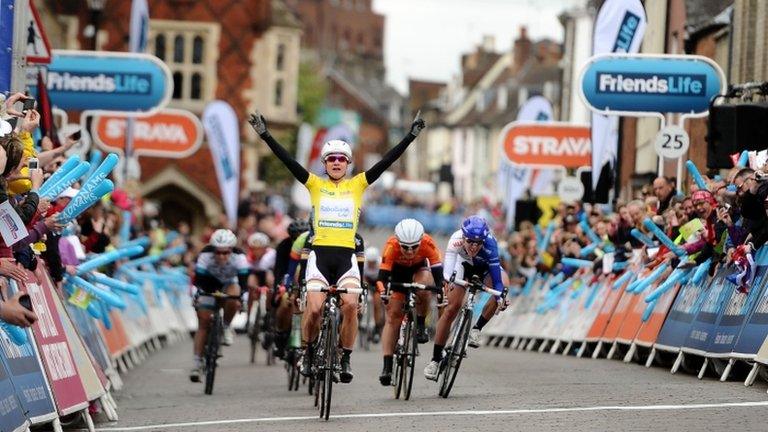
116,337
93,382
52,343
89,333
703,326
138,326
677,326
591,307
600,324
737,311
756,328
26,372
649,330
11,414
625,304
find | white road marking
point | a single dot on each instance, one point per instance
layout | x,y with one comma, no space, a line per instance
444,413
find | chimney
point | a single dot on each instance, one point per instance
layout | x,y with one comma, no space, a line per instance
522,48
489,43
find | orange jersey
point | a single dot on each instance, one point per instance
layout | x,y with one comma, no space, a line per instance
393,255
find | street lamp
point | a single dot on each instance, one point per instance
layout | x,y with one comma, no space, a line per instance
92,29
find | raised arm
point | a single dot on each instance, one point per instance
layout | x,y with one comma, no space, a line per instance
392,155
260,126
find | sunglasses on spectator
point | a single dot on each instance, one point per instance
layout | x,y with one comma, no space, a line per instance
411,247
218,252
335,158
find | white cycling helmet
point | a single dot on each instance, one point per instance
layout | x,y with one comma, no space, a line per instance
409,232
336,147
372,254
223,238
258,239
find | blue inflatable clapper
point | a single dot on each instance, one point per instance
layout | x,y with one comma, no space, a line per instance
55,189
649,310
701,272
666,285
16,334
743,159
663,237
574,262
95,160
623,279
696,175
115,284
642,237
108,258
103,295
66,167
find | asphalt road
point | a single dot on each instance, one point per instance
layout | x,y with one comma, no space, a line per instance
496,389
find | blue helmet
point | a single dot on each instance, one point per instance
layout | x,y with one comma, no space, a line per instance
475,228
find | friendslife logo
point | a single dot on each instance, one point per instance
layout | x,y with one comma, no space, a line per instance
651,84
112,83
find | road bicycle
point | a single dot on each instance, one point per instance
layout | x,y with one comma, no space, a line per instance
407,348
326,362
211,352
457,351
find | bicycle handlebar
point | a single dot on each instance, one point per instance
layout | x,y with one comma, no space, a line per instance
463,283
334,290
415,285
220,295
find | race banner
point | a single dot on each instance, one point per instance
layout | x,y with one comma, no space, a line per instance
26,372
703,326
619,27
52,343
223,132
606,312
546,144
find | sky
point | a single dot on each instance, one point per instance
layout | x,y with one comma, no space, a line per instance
424,39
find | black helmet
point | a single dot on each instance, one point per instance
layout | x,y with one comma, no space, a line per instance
297,227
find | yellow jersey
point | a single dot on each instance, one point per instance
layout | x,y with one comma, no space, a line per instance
336,209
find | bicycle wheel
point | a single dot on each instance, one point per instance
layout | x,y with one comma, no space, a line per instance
330,366
212,352
458,352
401,357
411,346
254,333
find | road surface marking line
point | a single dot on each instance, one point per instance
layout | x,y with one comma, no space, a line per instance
445,413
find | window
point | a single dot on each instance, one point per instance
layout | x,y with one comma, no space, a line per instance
279,93
280,57
178,49
197,50
178,85
160,47
190,50
196,86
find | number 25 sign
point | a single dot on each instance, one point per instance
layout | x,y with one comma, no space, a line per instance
672,142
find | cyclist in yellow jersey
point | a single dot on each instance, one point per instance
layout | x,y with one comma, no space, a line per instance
336,203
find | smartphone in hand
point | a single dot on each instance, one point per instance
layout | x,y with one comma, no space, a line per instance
76,136
33,163
25,301
29,104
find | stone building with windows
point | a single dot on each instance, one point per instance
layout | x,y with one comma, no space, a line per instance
244,53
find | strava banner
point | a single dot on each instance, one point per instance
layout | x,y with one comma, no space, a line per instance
23,364
619,28
52,343
546,144
223,132
513,181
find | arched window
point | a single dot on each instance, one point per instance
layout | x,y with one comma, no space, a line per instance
197,50
178,49
280,57
160,46
279,93
178,84
197,86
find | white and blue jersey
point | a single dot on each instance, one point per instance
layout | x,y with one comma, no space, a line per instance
211,276
485,262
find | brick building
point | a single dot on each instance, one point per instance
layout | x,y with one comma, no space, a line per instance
245,53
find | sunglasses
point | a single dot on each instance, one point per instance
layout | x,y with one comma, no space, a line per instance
333,158
409,247
222,252
473,242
